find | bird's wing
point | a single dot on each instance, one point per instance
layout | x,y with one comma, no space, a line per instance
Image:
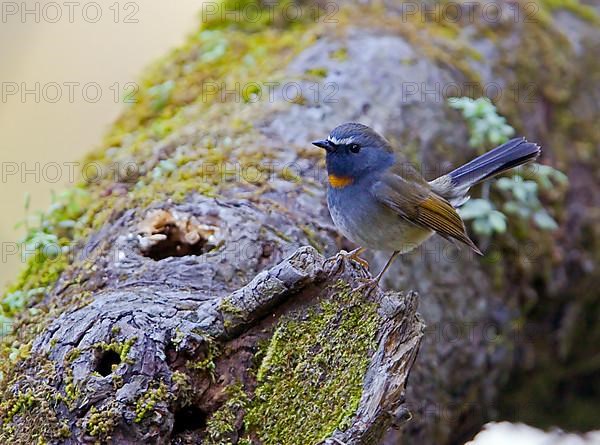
404,191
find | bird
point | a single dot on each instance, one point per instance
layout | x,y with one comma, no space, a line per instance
381,202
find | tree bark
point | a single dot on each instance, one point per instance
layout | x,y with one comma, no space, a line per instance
193,310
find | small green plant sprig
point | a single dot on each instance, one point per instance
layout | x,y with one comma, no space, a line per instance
488,128
44,231
47,237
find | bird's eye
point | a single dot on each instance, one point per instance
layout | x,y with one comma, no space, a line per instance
354,148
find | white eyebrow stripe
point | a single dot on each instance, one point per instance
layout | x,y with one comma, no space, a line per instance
343,141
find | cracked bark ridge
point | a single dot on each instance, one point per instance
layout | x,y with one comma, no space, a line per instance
153,354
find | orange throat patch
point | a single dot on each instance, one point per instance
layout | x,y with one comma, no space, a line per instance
338,182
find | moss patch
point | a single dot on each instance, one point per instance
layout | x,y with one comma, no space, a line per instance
585,12
144,406
120,348
35,398
222,425
311,377
100,423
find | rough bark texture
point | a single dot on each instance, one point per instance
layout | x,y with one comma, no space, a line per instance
174,325
185,317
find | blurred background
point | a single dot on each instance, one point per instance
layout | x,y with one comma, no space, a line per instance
99,55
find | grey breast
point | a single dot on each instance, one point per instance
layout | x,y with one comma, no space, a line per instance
368,223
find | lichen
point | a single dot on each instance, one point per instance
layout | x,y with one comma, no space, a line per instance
227,307
230,313
311,377
72,355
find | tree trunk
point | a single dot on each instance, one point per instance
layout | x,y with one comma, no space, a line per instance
192,310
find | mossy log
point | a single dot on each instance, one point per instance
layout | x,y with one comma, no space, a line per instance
191,309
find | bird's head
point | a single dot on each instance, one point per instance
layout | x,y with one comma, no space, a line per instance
353,152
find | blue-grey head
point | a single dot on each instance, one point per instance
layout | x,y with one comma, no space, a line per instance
354,151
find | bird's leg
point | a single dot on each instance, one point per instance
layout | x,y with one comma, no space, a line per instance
353,255
387,266
375,281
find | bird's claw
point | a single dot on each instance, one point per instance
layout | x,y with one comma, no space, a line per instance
338,259
367,284
354,257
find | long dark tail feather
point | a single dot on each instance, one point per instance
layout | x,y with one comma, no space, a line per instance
504,157
455,185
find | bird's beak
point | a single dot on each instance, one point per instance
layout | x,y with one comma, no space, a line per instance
324,144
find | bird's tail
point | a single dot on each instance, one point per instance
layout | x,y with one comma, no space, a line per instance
455,185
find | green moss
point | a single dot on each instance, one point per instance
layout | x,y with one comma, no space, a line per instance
24,401
311,377
585,12
39,274
146,403
121,348
72,390
182,388
23,406
317,72
100,423
207,363
72,355
229,308
222,424
257,15
340,54
46,245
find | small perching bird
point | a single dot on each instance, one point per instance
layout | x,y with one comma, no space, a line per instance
380,202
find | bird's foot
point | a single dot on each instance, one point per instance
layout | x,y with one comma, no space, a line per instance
339,258
367,285
354,256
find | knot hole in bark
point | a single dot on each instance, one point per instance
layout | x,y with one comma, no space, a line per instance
105,360
189,418
168,233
